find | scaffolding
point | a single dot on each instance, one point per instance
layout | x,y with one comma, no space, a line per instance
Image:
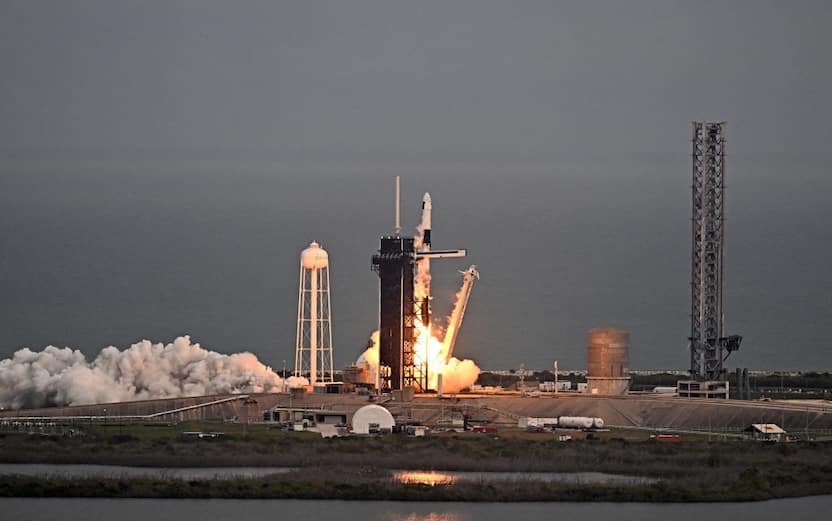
708,345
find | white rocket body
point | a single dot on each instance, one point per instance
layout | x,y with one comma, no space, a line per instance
427,207
426,210
424,263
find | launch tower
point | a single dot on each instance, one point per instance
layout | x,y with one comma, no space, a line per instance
394,263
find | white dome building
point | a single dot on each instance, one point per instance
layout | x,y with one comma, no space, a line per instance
371,419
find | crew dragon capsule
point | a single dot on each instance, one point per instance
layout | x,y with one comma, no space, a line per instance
426,209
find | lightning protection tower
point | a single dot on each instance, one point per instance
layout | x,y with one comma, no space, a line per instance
708,346
313,347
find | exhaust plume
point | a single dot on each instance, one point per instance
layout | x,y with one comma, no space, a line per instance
63,376
456,374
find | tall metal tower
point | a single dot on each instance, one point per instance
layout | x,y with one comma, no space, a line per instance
394,263
313,346
708,346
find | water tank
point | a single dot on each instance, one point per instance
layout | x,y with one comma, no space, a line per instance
608,353
608,361
314,257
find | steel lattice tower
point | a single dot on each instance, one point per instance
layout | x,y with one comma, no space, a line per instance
708,235
394,263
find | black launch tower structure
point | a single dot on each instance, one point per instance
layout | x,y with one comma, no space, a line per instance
395,264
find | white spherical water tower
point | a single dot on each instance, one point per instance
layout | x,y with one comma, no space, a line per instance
313,347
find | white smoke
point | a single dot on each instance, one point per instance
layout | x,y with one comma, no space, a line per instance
459,374
62,376
456,374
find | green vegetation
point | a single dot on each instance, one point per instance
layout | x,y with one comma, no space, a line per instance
809,385
695,470
487,379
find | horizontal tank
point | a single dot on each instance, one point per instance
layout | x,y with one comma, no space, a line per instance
608,353
575,422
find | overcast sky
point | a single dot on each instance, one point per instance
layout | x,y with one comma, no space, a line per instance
163,163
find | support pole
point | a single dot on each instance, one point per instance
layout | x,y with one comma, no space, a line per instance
398,227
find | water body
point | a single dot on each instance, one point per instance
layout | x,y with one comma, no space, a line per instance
430,477
24,509
118,471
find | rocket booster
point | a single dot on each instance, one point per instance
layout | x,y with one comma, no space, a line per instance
426,210
424,264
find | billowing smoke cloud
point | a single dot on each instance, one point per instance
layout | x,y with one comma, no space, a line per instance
369,358
459,374
62,376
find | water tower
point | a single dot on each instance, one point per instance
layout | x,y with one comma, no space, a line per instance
313,347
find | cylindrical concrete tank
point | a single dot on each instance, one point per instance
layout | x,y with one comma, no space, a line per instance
608,353
608,361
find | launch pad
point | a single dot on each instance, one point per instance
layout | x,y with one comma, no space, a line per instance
404,316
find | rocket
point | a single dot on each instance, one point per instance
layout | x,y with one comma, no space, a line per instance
426,210
424,264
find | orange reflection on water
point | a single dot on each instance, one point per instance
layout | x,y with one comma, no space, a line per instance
422,477
432,516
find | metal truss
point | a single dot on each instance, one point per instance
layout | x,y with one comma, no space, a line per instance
707,345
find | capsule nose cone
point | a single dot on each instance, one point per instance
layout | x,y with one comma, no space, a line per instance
426,201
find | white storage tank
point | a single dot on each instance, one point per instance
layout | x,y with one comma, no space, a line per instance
580,422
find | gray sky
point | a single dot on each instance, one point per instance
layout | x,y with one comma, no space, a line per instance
163,163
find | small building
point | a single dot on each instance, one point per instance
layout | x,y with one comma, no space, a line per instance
705,389
333,388
665,390
310,416
418,431
525,423
766,432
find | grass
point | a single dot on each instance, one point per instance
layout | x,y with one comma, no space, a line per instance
695,470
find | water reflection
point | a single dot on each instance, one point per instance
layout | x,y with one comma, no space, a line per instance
430,477
437,477
84,509
431,516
